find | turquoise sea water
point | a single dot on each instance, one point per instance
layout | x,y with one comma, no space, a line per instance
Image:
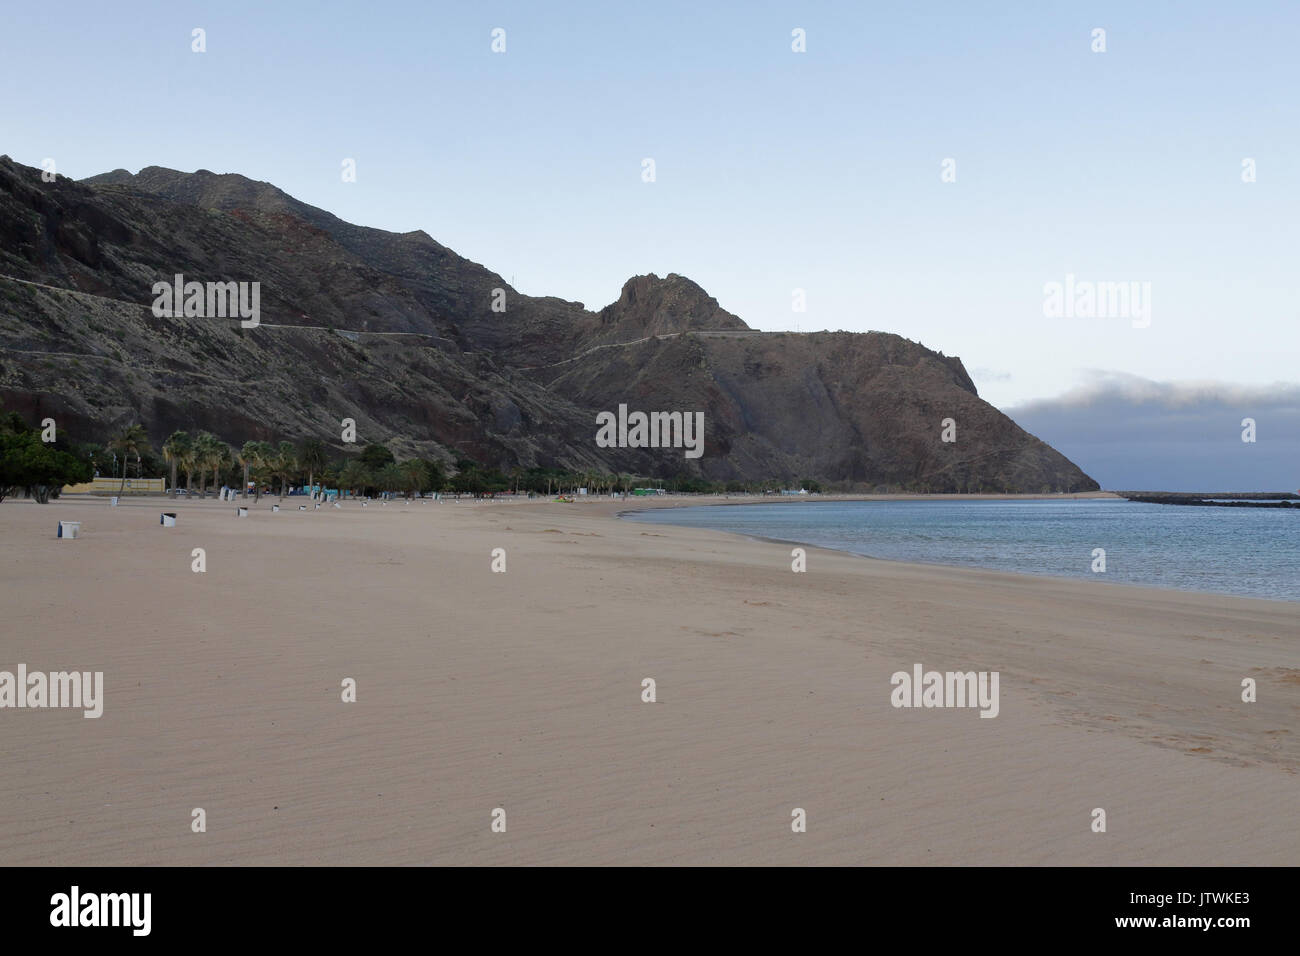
1248,551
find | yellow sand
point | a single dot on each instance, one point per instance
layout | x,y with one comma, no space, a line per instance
478,690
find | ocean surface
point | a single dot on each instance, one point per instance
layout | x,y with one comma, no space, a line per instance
1248,551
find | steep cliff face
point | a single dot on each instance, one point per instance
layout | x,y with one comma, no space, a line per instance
865,408
429,366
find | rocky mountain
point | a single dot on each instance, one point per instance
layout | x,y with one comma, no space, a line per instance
434,354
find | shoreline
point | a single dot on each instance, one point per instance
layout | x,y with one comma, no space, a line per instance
821,497
1086,582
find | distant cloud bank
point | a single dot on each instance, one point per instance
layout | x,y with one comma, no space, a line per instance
1132,433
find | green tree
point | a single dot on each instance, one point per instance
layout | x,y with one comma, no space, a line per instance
329,476
11,423
375,456
354,475
247,457
207,456
286,465
176,449
469,479
260,458
415,475
29,464
390,477
311,455
188,462
131,440
219,457
435,479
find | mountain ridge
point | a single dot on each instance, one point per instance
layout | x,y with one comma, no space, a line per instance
515,387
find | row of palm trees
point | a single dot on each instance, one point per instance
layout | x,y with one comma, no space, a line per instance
408,477
206,454
284,463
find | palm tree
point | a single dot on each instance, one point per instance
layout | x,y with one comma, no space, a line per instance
286,464
219,456
132,440
311,455
435,479
390,477
354,475
189,463
176,449
207,454
414,476
260,455
247,456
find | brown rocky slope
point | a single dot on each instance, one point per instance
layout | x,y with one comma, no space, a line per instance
399,333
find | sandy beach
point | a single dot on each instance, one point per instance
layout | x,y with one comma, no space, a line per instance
478,690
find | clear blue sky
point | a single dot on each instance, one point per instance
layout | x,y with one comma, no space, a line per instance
775,170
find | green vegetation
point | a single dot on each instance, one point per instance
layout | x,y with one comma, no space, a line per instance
35,468
311,456
176,451
354,476
284,465
130,441
210,453
256,457
376,457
